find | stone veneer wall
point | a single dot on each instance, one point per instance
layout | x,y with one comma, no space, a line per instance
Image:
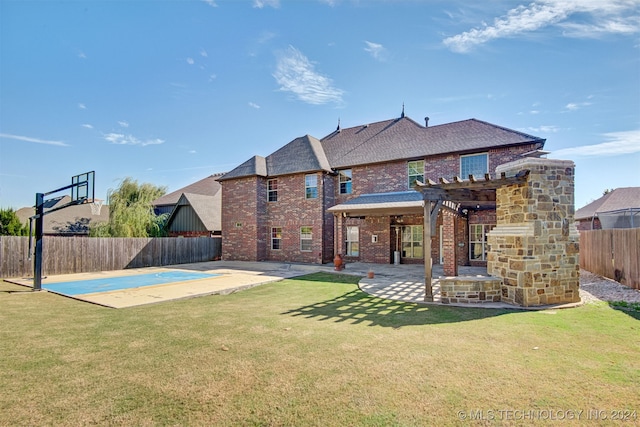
534,247
469,290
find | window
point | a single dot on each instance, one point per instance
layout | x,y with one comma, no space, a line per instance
474,164
306,234
412,238
415,172
353,241
276,238
272,190
311,186
478,241
345,181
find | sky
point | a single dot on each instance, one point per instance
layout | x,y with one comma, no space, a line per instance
169,92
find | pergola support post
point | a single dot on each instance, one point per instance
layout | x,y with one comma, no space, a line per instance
430,216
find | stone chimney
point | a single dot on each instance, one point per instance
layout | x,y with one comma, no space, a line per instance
535,246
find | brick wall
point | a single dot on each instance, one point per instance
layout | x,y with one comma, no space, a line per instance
247,217
242,219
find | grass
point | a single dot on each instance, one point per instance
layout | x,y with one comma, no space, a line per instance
308,351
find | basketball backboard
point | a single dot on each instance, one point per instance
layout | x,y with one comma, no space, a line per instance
82,187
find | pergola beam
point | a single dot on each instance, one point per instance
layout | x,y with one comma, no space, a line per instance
462,192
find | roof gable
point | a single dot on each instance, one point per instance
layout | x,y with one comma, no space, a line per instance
208,209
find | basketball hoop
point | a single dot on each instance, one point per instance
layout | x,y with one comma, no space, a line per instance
96,205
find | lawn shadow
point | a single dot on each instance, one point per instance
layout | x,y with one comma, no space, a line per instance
358,307
630,309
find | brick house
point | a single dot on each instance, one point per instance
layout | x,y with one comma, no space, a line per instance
352,192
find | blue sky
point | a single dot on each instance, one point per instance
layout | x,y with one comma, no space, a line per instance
169,92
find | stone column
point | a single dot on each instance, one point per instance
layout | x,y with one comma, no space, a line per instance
534,246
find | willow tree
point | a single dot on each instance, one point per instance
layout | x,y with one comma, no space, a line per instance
10,224
131,211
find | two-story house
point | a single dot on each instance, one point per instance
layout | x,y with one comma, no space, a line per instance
352,192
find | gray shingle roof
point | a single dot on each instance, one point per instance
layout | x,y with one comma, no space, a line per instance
256,165
72,220
389,140
304,154
403,138
616,200
408,200
208,186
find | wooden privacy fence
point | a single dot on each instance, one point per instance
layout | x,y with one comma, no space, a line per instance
613,253
62,255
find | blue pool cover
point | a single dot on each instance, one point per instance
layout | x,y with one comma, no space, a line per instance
124,282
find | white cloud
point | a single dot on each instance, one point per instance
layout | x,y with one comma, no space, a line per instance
123,124
262,3
211,3
192,151
82,106
36,140
543,129
605,17
212,77
376,50
573,106
203,53
87,126
618,143
121,139
296,74
254,105
190,61
82,55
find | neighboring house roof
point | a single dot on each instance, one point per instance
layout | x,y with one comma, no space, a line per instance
620,199
208,186
71,220
206,208
384,141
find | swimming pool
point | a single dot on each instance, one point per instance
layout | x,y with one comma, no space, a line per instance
117,283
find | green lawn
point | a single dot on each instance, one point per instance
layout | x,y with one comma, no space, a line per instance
311,351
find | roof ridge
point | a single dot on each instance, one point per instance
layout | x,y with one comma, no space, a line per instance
533,137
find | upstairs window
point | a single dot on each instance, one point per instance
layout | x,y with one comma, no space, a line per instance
306,238
415,171
474,164
311,186
345,181
272,190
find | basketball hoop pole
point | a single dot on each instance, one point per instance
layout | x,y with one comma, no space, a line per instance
37,260
77,197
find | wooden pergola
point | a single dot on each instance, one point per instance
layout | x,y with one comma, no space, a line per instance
469,194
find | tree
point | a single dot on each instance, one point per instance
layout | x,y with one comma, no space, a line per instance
131,212
10,224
